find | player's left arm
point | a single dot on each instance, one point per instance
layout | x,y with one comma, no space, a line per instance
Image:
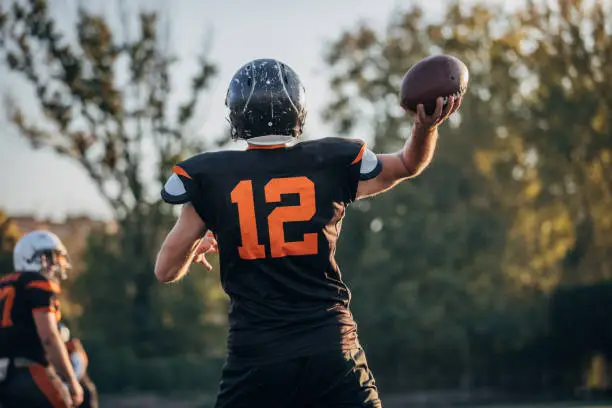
416,154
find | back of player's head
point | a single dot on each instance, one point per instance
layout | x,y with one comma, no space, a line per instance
266,100
43,252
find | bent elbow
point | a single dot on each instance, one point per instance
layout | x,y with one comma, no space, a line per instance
411,167
163,274
414,169
160,276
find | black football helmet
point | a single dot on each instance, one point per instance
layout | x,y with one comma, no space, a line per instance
266,97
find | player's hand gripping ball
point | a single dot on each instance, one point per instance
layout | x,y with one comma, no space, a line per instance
431,78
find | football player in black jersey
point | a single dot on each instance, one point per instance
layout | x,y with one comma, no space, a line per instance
29,335
276,210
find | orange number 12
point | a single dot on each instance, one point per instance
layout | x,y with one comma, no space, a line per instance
242,196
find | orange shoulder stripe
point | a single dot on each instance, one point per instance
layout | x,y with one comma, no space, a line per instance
178,170
360,154
10,277
49,286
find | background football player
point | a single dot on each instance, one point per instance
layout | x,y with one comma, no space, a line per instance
80,361
276,212
29,307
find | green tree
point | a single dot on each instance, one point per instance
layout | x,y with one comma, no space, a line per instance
438,238
104,99
562,119
513,201
9,235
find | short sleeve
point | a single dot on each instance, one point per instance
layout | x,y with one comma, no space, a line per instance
370,165
186,185
41,295
174,191
364,165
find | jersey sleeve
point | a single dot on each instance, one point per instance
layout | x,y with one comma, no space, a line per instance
179,189
370,166
363,165
188,184
41,295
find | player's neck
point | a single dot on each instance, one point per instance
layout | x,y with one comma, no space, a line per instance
266,147
270,142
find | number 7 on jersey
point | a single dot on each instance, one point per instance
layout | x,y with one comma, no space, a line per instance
7,297
242,196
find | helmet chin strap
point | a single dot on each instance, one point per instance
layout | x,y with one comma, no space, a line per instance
270,140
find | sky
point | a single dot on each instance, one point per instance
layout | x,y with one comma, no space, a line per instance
40,183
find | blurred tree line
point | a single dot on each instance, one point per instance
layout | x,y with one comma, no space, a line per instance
104,91
517,202
9,234
490,269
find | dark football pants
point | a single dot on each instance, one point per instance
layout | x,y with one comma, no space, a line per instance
34,386
337,379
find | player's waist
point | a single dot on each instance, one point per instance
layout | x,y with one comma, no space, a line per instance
269,312
258,346
22,350
22,362
24,358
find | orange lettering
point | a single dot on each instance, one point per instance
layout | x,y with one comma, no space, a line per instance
280,215
242,195
7,294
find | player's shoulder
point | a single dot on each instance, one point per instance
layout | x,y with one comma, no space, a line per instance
9,278
343,150
188,174
205,162
337,143
33,280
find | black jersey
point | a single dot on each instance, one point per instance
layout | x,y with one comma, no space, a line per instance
277,214
22,294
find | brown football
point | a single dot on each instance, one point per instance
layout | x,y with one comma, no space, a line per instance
430,78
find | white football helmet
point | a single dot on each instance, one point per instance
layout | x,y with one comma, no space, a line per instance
43,252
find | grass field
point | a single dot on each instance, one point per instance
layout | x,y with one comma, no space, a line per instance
391,401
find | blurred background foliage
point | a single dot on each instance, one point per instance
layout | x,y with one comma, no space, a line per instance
492,269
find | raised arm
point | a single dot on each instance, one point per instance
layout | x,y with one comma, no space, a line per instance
416,154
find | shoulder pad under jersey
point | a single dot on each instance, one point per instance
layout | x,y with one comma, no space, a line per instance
182,181
33,280
204,164
340,151
349,152
189,176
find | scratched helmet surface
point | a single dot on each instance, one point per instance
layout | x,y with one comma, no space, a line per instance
266,97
